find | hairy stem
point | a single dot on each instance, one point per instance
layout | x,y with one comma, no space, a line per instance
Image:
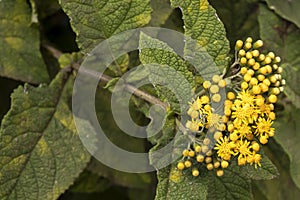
105,79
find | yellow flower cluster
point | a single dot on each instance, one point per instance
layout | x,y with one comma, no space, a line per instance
246,122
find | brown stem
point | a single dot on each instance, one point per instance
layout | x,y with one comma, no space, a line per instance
105,79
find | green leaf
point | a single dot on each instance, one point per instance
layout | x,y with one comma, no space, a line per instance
288,137
281,187
40,151
95,21
232,185
161,12
202,24
174,184
166,68
284,39
20,57
120,139
286,9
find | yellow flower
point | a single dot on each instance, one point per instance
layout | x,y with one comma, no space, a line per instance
265,109
246,97
263,127
214,120
243,149
254,159
224,148
243,130
243,114
196,105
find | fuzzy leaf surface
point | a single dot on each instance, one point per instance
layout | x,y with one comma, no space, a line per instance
40,151
95,21
20,56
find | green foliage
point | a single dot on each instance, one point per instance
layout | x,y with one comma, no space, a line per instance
103,19
203,25
41,154
287,10
20,57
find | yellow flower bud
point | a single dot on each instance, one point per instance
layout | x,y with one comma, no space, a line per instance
277,59
217,164
247,77
271,55
247,46
224,164
195,172
242,53
244,70
200,158
216,78
253,81
191,153
214,89
185,153
272,98
256,89
208,159
180,166
272,116
206,84
238,44
216,98
243,61
249,39
222,83
244,85
261,57
198,148
187,163
256,66
210,166
205,99
255,53
255,146
258,44
263,140
220,172
230,95
260,77
248,55
251,62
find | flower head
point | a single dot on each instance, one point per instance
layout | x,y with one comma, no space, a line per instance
224,148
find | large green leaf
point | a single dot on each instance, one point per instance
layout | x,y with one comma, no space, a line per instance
166,68
40,151
287,9
289,138
94,21
202,24
281,187
283,38
231,185
174,184
20,57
